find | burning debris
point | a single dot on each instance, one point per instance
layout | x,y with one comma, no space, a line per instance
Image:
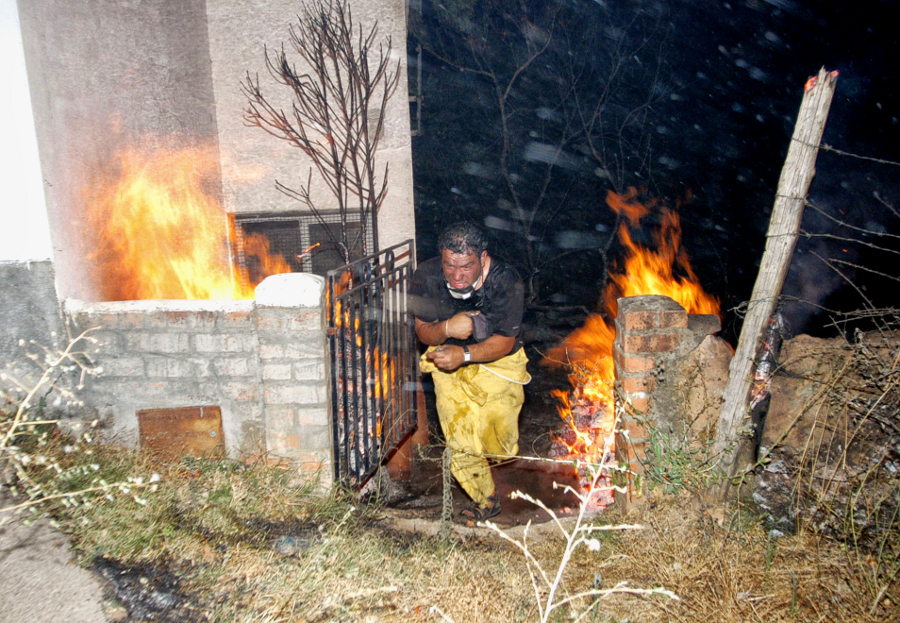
589,409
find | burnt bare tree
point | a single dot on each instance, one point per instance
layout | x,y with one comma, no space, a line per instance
339,96
568,91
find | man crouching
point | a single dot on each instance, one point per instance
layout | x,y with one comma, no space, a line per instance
468,310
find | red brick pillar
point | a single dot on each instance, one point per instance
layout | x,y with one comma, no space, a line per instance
649,335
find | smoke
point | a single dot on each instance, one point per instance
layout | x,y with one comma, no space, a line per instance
810,282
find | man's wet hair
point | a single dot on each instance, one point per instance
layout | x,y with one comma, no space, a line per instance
463,237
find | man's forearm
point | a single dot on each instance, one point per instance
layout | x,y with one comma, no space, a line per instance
492,348
432,333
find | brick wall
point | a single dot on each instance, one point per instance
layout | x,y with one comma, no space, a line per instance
653,335
262,362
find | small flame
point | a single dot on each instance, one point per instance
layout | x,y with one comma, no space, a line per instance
162,235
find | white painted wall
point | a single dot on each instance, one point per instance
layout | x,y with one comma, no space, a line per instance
251,159
24,228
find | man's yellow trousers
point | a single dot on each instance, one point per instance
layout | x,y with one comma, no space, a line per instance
478,406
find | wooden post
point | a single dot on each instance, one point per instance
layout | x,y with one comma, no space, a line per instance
784,227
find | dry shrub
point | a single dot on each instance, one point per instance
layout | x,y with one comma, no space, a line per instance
835,459
832,448
728,572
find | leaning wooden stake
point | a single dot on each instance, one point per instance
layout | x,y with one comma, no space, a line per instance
784,227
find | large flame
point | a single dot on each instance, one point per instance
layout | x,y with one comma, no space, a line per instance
653,271
664,270
162,235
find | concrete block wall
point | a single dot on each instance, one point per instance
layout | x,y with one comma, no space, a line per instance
262,362
653,335
293,383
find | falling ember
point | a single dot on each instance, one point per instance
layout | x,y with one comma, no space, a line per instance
161,235
664,270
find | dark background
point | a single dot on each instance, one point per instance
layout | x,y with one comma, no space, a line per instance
699,101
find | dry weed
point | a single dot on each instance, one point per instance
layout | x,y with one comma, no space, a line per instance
244,545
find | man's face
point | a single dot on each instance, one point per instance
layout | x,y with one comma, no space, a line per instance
462,270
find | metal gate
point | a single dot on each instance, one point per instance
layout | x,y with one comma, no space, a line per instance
374,366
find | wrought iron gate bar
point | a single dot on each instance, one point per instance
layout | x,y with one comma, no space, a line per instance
372,351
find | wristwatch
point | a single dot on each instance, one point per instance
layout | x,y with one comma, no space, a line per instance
467,356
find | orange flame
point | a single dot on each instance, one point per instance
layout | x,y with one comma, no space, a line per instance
662,270
162,235
646,271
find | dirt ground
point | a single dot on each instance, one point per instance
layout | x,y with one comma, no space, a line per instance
421,497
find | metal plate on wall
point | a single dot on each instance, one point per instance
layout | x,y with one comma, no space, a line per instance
171,433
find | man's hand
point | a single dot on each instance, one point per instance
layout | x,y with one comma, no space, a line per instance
461,326
447,358
435,333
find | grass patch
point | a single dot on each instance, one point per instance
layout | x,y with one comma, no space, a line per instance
223,541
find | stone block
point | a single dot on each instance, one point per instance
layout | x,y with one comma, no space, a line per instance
241,343
646,302
137,342
103,320
280,418
310,321
276,371
193,368
268,318
315,438
295,393
632,364
309,370
179,368
673,319
638,403
637,433
313,417
311,463
155,366
633,385
282,441
313,346
247,411
238,320
156,319
271,351
123,366
209,343
177,319
105,341
242,392
650,343
141,390
253,437
169,343
130,320
639,321
631,453
204,320
232,366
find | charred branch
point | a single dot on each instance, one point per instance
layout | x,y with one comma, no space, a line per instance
336,118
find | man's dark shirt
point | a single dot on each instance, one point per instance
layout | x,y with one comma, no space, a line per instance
501,299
